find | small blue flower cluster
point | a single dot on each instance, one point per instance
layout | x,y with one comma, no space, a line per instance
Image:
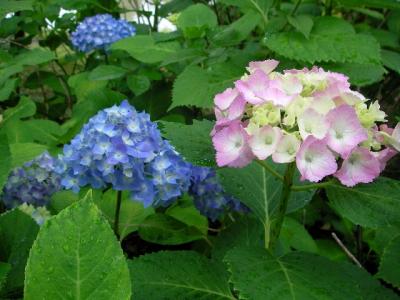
33,183
122,148
209,196
40,214
99,32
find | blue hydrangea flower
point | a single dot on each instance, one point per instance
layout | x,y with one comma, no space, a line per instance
33,183
39,214
209,196
123,149
99,32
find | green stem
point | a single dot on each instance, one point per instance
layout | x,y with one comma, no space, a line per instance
283,203
296,7
270,169
117,210
306,187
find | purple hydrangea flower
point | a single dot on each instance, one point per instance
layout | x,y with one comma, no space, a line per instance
33,183
123,149
99,32
209,196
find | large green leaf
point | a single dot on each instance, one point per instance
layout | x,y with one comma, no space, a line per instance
17,233
193,142
4,269
145,49
34,57
331,39
7,88
5,160
371,3
259,190
256,274
389,267
197,87
245,232
195,20
77,256
107,72
23,152
25,108
371,205
391,60
166,230
178,275
132,213
7,6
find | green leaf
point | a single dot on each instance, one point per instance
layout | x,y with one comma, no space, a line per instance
371,3
23,152
132,213
239,30
62,199
391,60
165,230
193,142
34,57
17,233
183,55
294,235
389,267
245,232
44,131
176,275
185,212
4,269
9,6
259,190
84,86
144,48
359,74
7,88
256,274
370,205
197,87
76,255
25,108
302,23
138,84
107,72
195,20
260,6
5,160
331,39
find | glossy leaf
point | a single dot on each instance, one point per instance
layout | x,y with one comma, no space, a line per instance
389,267
77,255
178,275
107,72
195,20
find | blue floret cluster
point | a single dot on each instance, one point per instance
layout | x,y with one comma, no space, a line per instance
99,32
209,196
122,148
33,183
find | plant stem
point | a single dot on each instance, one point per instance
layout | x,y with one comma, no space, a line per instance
270,169
305,187
117,210
283,203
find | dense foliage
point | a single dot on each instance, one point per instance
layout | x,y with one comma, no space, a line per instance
184,162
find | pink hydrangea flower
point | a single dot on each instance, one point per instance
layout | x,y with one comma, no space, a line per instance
384,156
263,141
345,131
314,160
232,147
360,167
230,106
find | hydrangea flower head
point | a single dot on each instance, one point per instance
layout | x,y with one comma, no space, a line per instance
209,196
99,32
310,117
33,183
123,149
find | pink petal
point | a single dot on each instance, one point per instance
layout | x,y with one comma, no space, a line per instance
263,141
231,145
312,123
253,87
286,149
267,66
225,99
314,160
345,131
384,156
360,167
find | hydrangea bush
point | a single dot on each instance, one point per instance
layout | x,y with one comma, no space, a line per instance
310,117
